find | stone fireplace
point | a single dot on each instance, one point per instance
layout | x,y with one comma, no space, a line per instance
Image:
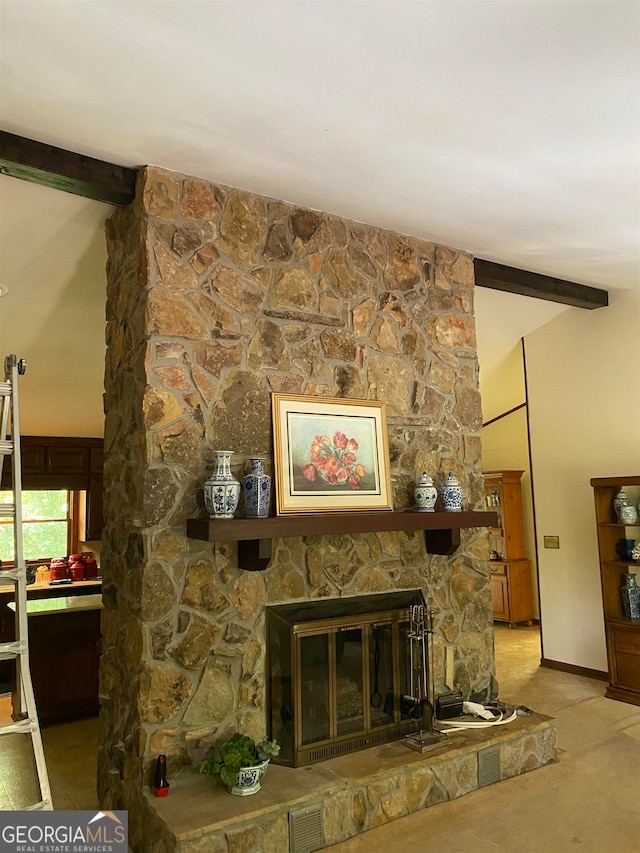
216,298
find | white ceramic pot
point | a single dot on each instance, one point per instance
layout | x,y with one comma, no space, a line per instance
248,779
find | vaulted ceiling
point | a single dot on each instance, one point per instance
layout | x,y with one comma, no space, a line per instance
510,129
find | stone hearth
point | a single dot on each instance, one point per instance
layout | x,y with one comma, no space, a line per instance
347,795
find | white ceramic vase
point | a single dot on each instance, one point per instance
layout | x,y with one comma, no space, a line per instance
620,500
222,490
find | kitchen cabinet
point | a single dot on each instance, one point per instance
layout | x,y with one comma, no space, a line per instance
55,462
64,654
35,592
622,632
510,581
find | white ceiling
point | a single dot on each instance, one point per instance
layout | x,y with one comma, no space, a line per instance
510,129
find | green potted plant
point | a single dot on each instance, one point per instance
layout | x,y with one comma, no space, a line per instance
240,762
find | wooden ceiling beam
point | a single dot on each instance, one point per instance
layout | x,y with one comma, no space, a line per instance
513,280
85,176
65,170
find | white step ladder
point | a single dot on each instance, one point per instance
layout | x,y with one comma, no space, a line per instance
18,650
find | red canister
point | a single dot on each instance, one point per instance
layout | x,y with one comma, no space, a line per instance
59,570
76,570
90,567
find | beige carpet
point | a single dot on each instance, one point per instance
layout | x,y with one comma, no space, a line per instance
588,801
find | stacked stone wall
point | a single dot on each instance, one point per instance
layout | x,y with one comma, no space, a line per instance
216,298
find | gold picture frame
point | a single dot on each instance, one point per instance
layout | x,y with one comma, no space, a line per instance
330,454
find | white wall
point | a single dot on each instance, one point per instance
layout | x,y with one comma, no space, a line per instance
52,260
502,386
505,447
504,442
583,372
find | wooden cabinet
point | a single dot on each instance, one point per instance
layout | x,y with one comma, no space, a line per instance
64,654
55,462
511,586
35,592
622,633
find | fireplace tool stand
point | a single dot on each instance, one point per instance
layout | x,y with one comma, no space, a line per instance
420,702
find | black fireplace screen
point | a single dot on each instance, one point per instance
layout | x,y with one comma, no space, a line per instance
336,669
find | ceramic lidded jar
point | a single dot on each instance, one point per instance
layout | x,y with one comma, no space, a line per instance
628,514
451,494
222,490
620,500
425,494
257,489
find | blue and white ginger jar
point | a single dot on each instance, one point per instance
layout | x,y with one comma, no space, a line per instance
222,490
425,494
451,494
257,489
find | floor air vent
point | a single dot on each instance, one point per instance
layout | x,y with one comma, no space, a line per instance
489,766
305,830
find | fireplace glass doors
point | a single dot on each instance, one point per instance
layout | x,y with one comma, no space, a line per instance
336,671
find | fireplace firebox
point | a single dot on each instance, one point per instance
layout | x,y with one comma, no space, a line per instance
336,672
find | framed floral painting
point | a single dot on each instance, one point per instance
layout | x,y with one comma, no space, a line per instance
330,455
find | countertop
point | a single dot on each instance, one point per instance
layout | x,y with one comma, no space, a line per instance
38,586
66,604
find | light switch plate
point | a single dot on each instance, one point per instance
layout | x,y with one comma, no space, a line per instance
551,541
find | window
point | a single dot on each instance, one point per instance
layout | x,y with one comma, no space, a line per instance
46,525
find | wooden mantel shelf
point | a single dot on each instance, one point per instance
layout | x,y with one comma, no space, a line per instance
254,535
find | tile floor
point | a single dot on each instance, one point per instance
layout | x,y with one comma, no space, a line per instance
70,751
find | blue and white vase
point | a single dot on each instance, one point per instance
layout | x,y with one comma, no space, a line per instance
257,489
631,597
425,494
620,500
222,490
451,494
